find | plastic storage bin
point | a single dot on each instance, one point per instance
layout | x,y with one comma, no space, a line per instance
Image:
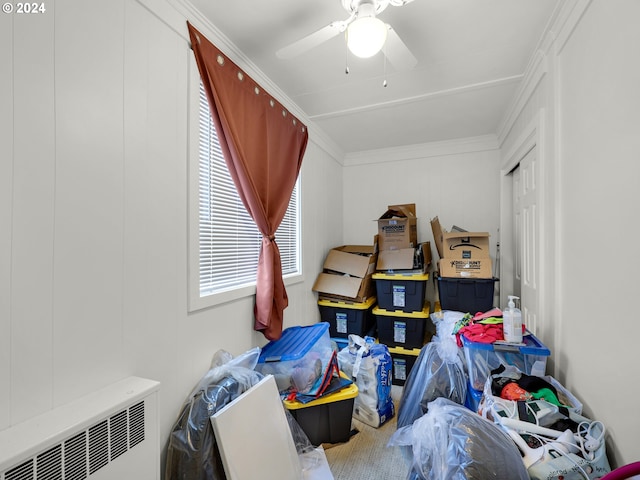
472,401
400,329
299,347
403,360
345,318
327,419
530,358
397,291
470,295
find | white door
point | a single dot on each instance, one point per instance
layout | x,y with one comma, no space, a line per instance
526,242
517,235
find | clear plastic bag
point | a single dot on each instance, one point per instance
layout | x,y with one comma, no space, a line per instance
439,371
450,442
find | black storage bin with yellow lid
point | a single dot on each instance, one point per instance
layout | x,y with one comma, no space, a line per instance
345,318
401,329
399,291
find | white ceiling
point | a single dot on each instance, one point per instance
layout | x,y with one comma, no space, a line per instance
471,55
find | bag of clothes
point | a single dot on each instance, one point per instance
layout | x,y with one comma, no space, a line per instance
450,442
439,371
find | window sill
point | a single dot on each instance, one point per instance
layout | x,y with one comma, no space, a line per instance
201,303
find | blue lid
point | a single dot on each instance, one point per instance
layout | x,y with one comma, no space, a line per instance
294,343
532,346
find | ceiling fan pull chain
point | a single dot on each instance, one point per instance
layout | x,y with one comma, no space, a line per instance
346,60
384,83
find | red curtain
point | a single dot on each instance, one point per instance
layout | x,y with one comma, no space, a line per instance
263,146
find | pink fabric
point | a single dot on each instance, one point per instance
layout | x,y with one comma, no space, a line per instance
624,472
263,146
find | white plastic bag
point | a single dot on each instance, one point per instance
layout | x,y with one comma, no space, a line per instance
369,365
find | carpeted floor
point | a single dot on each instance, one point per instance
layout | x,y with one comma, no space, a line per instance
366,455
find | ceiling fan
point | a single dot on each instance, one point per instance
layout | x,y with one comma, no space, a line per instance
365,34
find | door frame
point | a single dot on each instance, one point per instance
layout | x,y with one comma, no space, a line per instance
532,136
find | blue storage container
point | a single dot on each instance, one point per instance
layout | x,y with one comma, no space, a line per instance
530,358
473,398
298,348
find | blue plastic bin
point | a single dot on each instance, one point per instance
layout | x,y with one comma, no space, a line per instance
530,358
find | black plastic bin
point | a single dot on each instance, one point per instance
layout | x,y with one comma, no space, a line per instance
470,295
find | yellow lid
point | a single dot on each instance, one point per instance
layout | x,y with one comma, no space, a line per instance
399,313
344,304
400,276
405,351
345,394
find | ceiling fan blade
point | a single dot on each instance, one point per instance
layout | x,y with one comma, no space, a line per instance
313,40
397,52
399,3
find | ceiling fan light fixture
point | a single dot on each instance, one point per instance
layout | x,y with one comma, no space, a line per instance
366,36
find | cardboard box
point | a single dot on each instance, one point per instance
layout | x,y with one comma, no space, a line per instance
347,272
398,227
454,267
437,231
406,260
462,254
465,245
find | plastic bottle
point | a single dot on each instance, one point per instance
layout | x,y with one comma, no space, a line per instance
512,322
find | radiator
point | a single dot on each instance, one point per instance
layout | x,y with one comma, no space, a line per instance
109,434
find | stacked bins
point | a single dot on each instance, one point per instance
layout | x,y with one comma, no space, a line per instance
403,361
402,318
468,295
345,317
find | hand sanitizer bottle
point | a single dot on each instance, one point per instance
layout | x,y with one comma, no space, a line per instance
512,322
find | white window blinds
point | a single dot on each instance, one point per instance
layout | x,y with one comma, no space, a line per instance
229,241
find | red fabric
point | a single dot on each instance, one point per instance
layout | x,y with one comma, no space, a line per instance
263,146
513,391
478,332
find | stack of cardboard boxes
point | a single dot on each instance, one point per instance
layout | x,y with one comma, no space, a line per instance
380,290
465,279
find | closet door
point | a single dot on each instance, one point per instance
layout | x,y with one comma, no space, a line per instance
527,235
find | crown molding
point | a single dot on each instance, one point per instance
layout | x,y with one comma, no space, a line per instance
424,150
559,28
175,13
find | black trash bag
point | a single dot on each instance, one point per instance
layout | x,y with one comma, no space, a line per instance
192,453
439,371
451,442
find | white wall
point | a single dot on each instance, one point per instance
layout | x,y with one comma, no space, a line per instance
600,169
93,247
456,181
93,208
588,91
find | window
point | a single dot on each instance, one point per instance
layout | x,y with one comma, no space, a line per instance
228,241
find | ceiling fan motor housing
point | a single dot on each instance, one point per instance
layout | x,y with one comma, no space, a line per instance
365,8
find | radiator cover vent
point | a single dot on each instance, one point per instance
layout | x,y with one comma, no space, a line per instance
86,452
